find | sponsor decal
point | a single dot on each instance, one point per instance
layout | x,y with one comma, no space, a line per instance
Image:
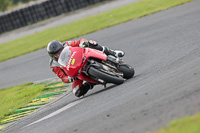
70,60
73,61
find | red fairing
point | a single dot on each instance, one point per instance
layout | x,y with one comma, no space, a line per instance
77,83
95,54
77,60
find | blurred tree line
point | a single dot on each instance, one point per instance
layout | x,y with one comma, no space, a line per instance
4,4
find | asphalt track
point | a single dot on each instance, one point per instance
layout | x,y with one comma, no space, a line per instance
164,50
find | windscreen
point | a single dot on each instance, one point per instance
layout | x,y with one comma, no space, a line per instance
64,56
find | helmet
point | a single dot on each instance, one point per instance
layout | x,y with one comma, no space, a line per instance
54,47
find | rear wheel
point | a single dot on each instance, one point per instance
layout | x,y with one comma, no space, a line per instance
127,70
108,77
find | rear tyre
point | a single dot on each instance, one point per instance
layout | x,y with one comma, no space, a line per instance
109,78
127,70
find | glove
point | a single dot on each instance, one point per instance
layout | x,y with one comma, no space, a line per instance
84,44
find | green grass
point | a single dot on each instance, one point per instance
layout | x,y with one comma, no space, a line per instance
13,98
84,26
186,125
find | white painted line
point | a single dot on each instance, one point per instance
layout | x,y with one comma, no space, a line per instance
56,112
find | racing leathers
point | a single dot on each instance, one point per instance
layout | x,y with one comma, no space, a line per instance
61,71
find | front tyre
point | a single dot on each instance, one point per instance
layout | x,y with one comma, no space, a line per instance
127,70
109,78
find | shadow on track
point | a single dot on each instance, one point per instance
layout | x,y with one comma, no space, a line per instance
110,87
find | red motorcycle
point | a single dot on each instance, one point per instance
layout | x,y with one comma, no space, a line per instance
86,64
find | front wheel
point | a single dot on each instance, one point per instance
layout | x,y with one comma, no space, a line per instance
127,70
109,78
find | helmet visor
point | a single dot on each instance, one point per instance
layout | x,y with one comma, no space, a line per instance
55,56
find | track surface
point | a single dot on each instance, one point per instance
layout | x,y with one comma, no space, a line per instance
164,49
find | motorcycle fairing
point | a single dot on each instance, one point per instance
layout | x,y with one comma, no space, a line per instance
77,83
75,58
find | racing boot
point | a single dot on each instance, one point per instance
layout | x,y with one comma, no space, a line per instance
83,89
116,53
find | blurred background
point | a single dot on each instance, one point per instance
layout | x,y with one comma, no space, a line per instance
18,13
9,5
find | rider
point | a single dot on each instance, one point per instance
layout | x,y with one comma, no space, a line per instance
54,49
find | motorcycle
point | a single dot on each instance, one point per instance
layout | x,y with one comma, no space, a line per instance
86,64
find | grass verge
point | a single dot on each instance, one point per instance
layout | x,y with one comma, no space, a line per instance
186,125
84,26
13,98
